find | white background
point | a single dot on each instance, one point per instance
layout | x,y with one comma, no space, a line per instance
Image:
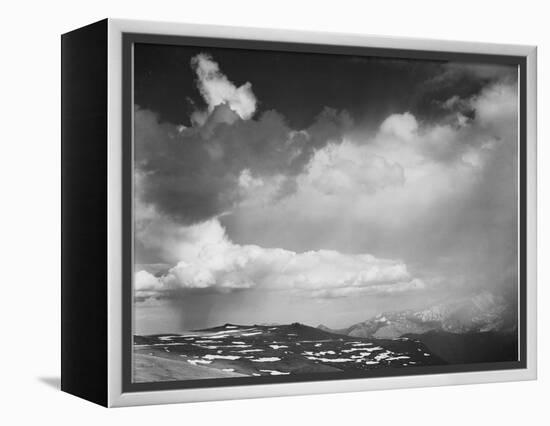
30,199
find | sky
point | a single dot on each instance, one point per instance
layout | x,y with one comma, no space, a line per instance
274,187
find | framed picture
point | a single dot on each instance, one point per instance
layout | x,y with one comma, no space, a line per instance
254,213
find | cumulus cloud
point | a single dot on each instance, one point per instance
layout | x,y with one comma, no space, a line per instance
194,173
440,195
216,89
345,167
146,285
496,105
403,126
210,260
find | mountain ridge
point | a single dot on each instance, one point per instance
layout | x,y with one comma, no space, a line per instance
481,313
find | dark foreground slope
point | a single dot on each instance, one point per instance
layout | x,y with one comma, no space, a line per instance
236,350
466,348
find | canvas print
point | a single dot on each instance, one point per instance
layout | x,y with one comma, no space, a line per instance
319,215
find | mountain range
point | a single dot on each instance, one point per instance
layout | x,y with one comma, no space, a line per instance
483,312
477,329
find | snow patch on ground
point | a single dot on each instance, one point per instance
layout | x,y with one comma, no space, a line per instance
314,358
164,338
393,358
206,346
230,357
275,372
322,353
347,351
198,361
267,359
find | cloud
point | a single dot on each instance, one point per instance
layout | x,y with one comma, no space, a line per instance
247,181
348,168
146,285
210,260
452,72
144,281
402,126
440,195
216,89
466,78
193,174
496,105
243,217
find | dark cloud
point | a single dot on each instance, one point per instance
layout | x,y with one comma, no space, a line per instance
192,174
451,84
454,74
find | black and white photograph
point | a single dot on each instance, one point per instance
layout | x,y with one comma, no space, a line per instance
292,213
307,215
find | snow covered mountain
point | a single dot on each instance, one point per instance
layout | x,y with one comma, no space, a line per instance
480,313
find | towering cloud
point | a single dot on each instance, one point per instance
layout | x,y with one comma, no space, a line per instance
193,174
216,89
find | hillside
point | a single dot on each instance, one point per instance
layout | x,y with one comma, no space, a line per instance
472,347
269,351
